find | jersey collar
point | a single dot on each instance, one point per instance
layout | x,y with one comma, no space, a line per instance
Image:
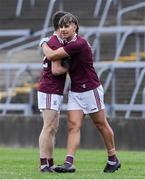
58,37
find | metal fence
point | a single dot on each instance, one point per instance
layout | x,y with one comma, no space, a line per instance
121,34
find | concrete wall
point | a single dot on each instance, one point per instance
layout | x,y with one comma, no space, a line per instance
24,131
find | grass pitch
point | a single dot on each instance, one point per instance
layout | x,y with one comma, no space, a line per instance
22,163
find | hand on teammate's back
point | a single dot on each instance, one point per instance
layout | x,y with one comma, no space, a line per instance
46,39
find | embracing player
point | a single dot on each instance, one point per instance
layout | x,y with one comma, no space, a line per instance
86,95
50,96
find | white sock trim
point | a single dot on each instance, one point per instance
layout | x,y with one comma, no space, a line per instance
43,166
68,162
111,163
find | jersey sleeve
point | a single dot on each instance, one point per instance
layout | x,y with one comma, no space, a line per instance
74,47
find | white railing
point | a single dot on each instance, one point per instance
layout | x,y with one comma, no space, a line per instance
131,106
126,10
20,5
47,18
101,67
125,30
25,108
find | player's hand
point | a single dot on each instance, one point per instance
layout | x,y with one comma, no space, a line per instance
43,40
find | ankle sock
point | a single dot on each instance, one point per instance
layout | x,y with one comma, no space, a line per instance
112,158
43,163
50,162
69,159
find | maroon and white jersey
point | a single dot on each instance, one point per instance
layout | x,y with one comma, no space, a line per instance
49,83
82,73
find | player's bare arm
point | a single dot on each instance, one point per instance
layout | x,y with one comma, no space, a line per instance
54,54
57,68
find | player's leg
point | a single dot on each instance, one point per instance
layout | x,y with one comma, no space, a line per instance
47,139
75,119
106,131
50,105
57,68
101,123
94,100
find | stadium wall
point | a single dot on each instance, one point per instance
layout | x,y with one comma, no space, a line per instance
20,131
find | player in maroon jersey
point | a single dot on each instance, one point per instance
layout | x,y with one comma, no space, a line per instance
50,96
86,95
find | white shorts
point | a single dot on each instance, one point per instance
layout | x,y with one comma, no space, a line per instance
49,101
89,101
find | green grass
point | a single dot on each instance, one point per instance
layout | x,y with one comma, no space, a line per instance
19,163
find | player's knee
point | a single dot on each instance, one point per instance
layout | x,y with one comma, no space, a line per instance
111,132
73,126
52,129
104,127
56,129
100,125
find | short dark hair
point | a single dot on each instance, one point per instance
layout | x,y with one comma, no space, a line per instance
56,17
67,19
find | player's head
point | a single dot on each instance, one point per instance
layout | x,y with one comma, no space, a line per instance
69,19
56,17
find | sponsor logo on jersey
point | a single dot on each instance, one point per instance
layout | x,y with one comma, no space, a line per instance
84,86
